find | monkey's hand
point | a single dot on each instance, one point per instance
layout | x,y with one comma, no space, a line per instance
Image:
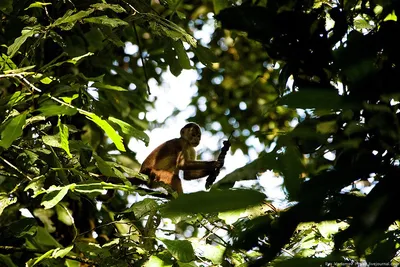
217,164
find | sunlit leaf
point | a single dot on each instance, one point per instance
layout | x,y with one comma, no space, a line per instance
182,250
104,20
112,134
5,201
64,135
37,5
12,130
69,19
215,253
113,7
142,208
55,195
61,252
7,64
19,41
130,130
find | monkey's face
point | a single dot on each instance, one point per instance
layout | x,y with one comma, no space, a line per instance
192,136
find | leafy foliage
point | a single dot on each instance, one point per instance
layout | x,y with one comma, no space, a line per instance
313,81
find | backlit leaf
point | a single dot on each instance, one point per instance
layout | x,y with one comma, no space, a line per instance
12,130
182,250
112,134
130,130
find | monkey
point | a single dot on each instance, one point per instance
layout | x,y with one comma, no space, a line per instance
163,164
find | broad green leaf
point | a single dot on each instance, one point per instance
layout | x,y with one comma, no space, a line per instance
37,5
171,58
54,110
215,253
12,130
205,55
213,201
55,195
63,215
320,98
44,256
36,184
104,168
112,134
69,19
183,58
61,252
5,201
19,41
104,20
130,130
113,7
182,250
108,87
7,64
52,140
64,135
155,261
69,99
142,208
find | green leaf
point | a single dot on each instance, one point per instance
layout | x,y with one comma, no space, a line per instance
213,201
315,99
37,5
54,110
163,26
64,134
130,130
61,252
55,194
52,140
41,258
12,130
171,58
104,20
7,261
108,87
69,19
7,64
113,7
142,208
104,168
19,41
112,134
183,58
215,253
205,55
5,201
182,250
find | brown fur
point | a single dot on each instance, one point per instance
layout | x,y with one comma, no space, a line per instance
164,162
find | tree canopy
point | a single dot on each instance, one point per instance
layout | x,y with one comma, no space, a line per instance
314,82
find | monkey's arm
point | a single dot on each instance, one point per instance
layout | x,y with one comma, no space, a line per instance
195,174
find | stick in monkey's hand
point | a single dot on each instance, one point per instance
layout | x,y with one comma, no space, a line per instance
213,175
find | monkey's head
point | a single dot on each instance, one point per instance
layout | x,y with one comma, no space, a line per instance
191,133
